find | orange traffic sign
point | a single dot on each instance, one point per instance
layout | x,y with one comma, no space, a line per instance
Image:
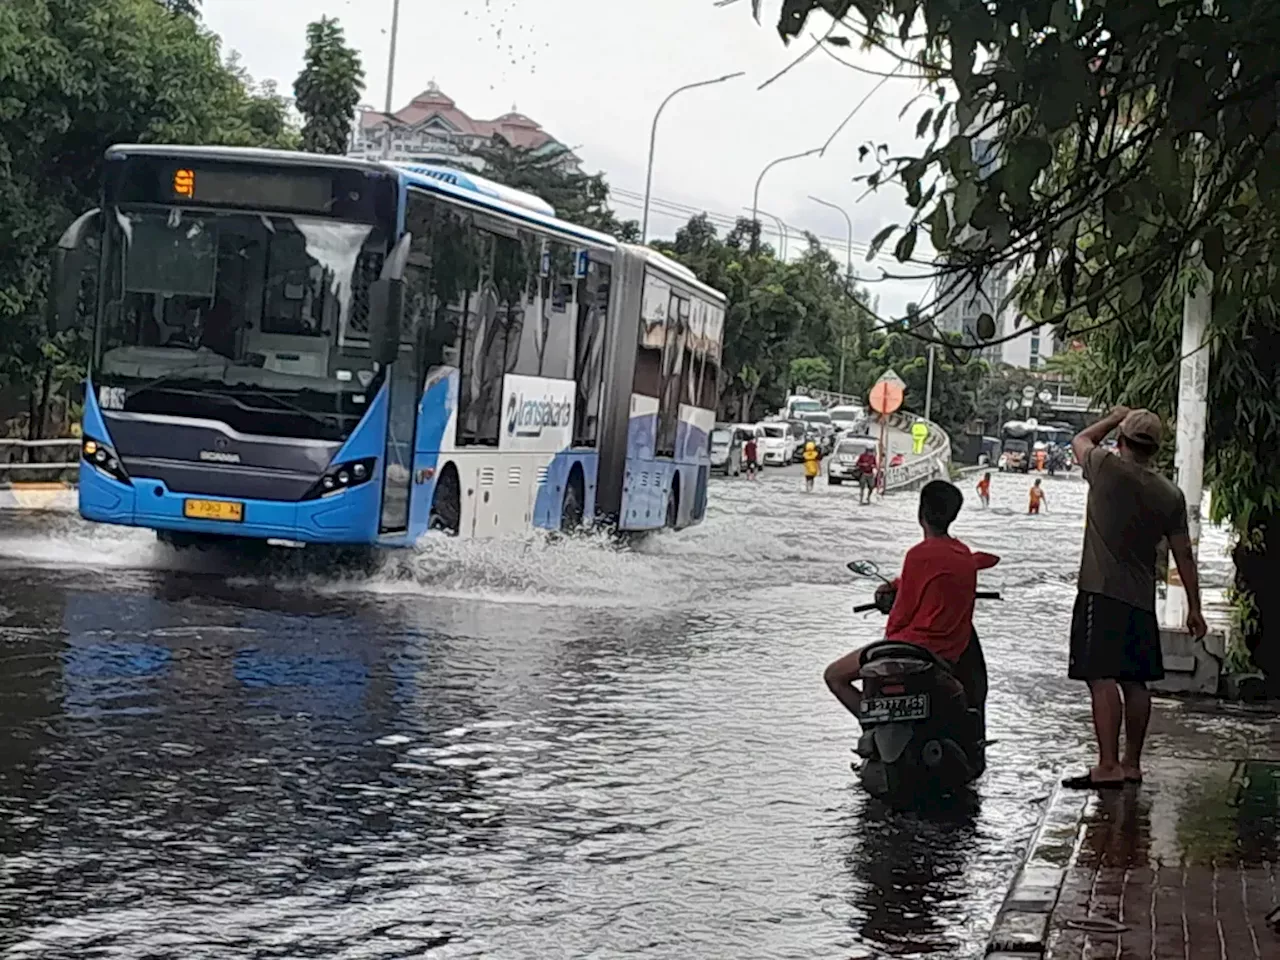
885,397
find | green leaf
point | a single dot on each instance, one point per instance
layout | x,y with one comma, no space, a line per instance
966,199
878,240
1211,249
838,41
940,227
986,326
906,245
923,123
1131,290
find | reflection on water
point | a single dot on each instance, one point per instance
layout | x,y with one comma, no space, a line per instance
519,749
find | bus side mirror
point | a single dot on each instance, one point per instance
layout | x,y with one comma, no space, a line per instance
386,310
67,265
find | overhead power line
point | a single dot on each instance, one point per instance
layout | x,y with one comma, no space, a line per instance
671,208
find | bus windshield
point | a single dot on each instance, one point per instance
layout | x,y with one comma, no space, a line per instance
254,320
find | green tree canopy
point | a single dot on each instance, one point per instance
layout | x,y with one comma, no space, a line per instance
1111,149
75,77
811,372
328,89
778,312
551,172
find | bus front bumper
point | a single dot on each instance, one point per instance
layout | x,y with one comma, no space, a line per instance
347,517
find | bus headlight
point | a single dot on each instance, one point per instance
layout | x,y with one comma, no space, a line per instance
342,476
103,458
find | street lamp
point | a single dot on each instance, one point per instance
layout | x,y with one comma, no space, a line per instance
755,199
848,274
391,73
784,235
653,136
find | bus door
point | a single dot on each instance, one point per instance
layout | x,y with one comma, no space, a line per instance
404,396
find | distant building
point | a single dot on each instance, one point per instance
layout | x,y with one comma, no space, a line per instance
1029,350
431,129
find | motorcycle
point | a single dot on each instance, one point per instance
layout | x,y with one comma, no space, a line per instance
923,720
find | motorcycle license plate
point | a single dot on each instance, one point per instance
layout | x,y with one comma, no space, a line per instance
889,709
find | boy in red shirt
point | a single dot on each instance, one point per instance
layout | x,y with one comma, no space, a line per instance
935,593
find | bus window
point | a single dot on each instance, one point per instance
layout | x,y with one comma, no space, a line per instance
672,374
593,310
545,344
653,320
693,353
709,395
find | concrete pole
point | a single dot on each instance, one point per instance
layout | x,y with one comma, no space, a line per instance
391,73
1192,415
928,386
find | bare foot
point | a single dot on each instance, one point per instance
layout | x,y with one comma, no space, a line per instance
1101,774
1133,774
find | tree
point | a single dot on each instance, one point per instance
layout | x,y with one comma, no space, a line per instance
328,89
186,8
551,172
811,372
1124,136
777,312
75,77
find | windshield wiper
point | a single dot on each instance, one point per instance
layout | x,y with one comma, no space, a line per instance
173,377
324,419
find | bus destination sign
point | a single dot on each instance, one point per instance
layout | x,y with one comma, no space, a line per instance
271,189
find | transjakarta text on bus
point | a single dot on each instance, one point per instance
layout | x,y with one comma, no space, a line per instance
327,350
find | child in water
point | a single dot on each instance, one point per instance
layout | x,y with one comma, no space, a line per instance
984,489
1037,498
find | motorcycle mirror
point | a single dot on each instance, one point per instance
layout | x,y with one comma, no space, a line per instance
863,568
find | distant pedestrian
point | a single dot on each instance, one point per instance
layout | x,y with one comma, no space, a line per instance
1037,498
811,458
866,475
1115,639
984,490
750,452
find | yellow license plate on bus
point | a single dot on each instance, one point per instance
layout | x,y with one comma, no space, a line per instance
213,510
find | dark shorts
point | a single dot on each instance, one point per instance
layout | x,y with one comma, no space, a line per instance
866,480
1111,640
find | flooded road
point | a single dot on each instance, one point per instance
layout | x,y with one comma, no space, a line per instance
507,750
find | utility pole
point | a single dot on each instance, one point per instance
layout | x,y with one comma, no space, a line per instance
1192,415
391,74
928,386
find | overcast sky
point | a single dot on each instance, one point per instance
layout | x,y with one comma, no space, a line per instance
593,73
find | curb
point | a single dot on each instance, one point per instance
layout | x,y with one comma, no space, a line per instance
51,496
1021,930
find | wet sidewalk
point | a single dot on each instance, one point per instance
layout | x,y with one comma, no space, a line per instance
1186,865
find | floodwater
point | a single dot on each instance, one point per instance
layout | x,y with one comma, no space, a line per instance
517,749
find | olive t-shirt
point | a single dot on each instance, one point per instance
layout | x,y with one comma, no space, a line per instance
1131,510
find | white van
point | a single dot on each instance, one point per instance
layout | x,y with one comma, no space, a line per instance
797,404
848,419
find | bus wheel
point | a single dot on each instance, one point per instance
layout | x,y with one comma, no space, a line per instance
571,506
446,503
673,502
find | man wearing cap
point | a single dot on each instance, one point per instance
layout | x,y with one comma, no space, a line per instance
1115,638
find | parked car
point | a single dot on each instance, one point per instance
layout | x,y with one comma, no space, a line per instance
799,433
778,446
844,464
726,450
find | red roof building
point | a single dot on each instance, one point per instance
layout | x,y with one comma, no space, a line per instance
432,129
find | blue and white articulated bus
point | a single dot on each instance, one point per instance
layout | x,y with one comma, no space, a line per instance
310,349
